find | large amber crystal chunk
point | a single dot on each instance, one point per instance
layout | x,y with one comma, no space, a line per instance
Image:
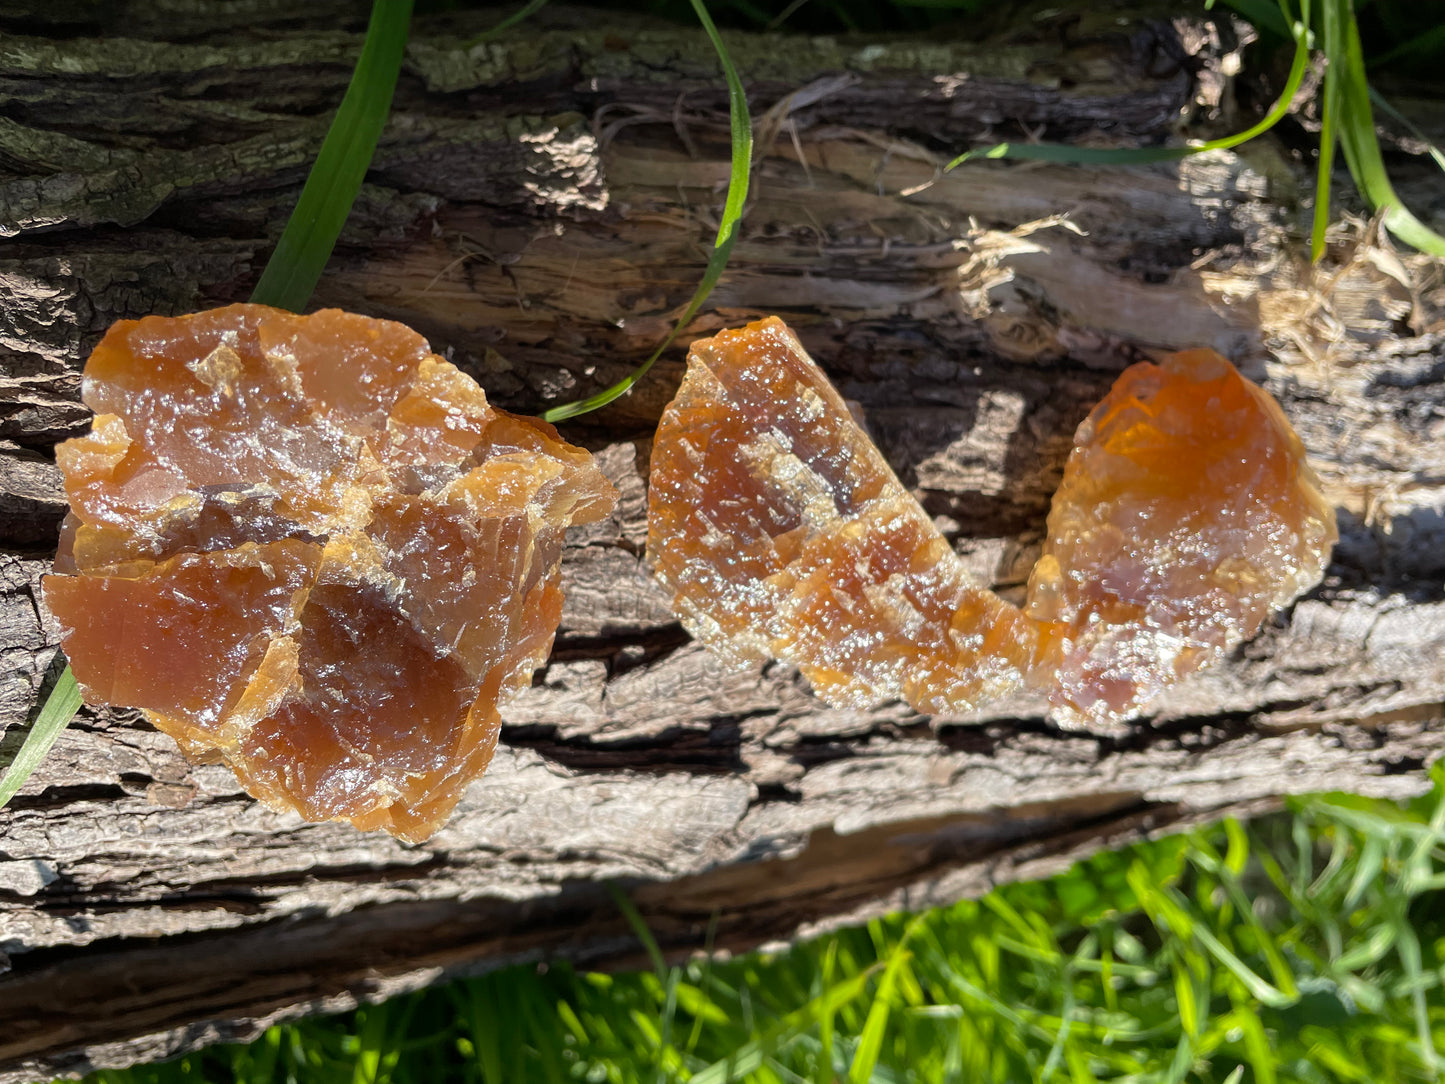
308,546
1186,516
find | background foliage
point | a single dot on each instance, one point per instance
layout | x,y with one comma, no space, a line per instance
1304,947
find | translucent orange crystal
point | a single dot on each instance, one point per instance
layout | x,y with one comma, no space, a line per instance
1186,516
308,546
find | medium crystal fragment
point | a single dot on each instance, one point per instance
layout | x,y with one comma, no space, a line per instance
308,546
782,533
1186,516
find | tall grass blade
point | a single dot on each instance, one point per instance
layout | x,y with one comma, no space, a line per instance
335,178
60,707
380,1041
292,271
742,155
1333,15
1362,153
483,1020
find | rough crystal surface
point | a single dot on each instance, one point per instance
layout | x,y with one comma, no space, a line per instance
1186,516
308,546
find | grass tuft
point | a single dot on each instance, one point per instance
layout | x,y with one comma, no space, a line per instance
1066,153
1346,118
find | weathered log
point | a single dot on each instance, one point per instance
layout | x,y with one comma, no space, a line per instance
541,207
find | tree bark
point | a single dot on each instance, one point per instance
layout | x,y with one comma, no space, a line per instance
541,207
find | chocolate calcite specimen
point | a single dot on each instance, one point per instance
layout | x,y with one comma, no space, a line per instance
1186,516
308,546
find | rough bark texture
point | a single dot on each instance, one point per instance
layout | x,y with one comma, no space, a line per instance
541,208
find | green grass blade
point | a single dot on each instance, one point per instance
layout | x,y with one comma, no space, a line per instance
525,12
1333,15
1383,105
379,1042
1256,1047
60,707
742,155
1362,153
482,1020
870,1042
1408,946
1075,156
824,1072
1258,987
335,178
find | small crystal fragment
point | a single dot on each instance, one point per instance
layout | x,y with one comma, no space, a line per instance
1186,516
308,546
